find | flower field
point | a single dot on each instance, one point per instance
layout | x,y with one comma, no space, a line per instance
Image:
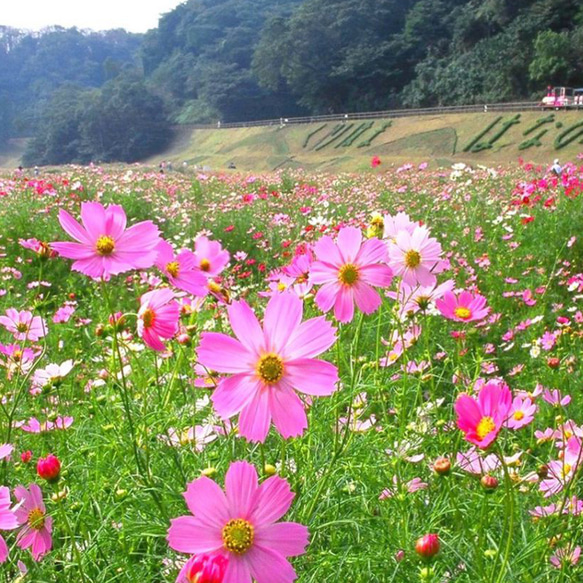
213,378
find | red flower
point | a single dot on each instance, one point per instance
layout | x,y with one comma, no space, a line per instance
49,468
427,546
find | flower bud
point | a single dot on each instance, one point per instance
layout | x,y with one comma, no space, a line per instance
427,546
489,483
183,339
209,472
442,466
49,468
269,470
553,362
26,456
204,569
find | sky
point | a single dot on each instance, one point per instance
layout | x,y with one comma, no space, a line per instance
133,15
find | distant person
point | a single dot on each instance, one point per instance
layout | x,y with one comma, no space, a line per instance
556,168
231,166
36,171
169,166
219,125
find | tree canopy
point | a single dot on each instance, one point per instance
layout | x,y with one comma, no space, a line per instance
234,60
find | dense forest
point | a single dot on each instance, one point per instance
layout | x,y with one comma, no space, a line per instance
112,95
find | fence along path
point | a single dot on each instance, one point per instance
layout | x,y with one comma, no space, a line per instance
388,114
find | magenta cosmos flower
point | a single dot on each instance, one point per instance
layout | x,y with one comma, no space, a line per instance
36,525
348,270
8,520
241,524
268,364
466,307
158,317
23,325
415,257
211,258
104,246
181,269
481,419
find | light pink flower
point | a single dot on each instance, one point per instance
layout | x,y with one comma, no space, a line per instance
181,269
23,325
561,472
472,462
6,450
521,413
415,257
466,307
158,317
36,525
51,374
8,520
555,398
348,271
211,258
241,524
63,314
104,246
267,364
394,224
566,556
481,419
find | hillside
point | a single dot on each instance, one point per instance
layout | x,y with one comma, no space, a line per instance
442,139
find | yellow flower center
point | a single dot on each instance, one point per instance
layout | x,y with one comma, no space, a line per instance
22,327
36,519
412,259
281,287
238,535
17,355
566,470
173,268
105,245
205,265
270,368
463,313
148,317
518,415
485,426
348,274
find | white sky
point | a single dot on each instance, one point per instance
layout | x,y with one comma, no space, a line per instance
133,15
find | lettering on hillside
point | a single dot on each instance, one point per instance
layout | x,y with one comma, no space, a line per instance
545,128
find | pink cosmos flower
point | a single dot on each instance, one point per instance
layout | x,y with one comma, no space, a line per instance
393,224
473,463
415,257
521,413
555,398
23,325
52,374
268,364
348,271
413,299
466,307
18,360
561,472
6,450
63,314
481,419
8,520
241,524
211,258
33,425
104,246
36,525
158,317
566,556
409,487
182,269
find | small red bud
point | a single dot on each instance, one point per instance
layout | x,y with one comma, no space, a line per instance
427,546
489,482
442,466
49,468
26,456
553,362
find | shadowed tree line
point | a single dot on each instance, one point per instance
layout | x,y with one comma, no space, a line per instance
82,92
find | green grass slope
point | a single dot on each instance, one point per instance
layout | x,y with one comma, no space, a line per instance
477,138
